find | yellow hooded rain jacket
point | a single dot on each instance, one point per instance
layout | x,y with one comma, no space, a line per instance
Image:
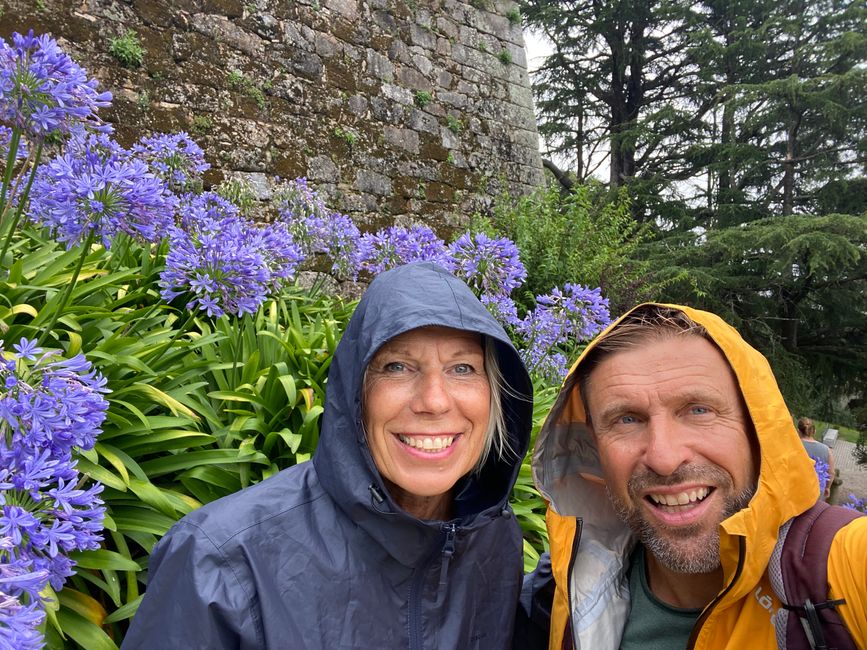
591,600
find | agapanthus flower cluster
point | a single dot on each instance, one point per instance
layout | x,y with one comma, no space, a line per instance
5,140
316,229
396,245
173,157
223,263
49,406
490,266
281,254
572,314
855,503
295,201
823,472
42,90
97,186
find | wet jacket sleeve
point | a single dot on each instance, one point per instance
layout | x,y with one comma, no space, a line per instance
533,621
194,598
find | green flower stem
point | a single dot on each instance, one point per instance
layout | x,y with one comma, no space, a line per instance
10,163
20,209
236,352
85,249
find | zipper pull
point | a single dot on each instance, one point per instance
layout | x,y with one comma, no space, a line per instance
451,532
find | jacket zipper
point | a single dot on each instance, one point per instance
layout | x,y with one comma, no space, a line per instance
447,550
693,637
579,528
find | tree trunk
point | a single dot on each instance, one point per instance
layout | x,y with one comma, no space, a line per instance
789,164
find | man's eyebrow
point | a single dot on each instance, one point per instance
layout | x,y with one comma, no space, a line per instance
611,409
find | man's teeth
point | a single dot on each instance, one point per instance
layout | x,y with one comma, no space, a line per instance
681,498
428,444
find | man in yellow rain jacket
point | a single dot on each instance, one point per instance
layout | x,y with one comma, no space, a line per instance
670,464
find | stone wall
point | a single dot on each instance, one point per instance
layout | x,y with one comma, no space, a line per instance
396,111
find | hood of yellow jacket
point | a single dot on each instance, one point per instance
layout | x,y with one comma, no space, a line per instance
567,470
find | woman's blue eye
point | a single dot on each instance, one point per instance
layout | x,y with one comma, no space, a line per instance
464,369
393,366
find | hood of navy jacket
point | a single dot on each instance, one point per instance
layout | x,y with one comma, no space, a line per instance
397,301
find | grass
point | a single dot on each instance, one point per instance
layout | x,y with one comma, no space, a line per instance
844,433
127,50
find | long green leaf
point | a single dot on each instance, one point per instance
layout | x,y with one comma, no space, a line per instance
85,633
104,559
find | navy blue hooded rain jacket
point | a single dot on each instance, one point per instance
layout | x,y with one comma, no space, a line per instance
319,556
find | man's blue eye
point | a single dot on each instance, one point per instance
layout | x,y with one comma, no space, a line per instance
700,410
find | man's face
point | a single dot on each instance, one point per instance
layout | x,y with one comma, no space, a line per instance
674,445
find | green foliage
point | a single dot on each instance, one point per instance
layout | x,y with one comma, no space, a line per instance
514,16
584,237
860,452
505,57
526,501
422,98
127,50
795,287
198,408
202,124
454,124
347,135
245,85
239,192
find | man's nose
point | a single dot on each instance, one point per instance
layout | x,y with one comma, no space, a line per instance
667,446
431,395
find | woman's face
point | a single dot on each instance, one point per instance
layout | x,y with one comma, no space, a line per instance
426,407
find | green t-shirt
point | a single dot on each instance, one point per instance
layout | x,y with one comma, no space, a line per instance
653,625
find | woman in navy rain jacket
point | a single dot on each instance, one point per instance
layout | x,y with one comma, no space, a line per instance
322,555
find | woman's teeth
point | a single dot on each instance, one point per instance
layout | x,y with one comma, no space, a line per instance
428,444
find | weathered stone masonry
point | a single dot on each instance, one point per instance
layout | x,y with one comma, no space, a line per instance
396,111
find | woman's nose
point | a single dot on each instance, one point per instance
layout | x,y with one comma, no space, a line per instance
431,394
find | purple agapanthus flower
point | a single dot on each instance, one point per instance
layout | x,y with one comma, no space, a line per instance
316,229
490,266
560,319
295,201
216,262
5,141
397,245
96,185
855,503
173,157
20,621
42,90
823,473
51,406
282,255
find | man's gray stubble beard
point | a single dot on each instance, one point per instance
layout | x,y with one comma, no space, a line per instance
703,554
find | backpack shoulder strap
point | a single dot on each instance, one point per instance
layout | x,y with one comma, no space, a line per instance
812,621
